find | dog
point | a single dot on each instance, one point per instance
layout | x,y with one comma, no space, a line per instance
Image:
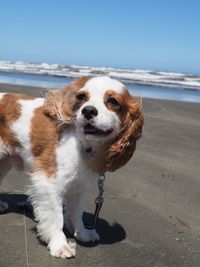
64,141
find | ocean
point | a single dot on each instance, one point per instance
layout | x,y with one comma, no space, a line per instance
144,91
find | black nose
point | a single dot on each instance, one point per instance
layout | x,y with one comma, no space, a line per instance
89,112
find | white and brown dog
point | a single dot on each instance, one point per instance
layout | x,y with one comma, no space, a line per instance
64,140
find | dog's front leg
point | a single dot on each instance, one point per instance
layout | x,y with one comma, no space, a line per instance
74,214
47,199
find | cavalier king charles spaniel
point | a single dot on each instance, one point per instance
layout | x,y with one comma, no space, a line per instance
64,141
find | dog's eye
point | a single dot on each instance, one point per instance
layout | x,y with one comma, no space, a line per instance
112,101
81,97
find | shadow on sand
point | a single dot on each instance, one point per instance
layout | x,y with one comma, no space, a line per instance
109,233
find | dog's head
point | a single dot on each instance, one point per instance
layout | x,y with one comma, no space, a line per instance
106,116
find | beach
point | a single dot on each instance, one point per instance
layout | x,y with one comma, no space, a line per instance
150,215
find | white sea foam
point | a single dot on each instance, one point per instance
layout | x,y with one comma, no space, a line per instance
146,77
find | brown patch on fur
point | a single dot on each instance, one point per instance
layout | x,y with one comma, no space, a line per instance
44,140
117,153
10,111
79,102
122,108
60,105
57,113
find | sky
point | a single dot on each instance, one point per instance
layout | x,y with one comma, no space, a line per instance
139,34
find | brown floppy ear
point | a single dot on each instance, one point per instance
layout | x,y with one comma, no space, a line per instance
58,104
53,108
121,150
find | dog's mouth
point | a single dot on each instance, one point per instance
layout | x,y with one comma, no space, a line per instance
90,129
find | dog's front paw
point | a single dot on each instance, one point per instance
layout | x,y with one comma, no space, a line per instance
64,251
86,235
60,248
3,207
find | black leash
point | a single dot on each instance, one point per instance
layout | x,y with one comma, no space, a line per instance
98,201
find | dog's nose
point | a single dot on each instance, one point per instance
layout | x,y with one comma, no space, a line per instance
89,112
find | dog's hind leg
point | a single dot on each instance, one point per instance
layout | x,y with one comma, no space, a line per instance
5,167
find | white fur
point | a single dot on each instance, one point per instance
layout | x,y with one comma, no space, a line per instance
3,148
73,177
22,127
104,83
4,164
77,179
106,119
2,95
47,199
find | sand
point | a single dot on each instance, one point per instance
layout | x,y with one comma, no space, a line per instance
150,215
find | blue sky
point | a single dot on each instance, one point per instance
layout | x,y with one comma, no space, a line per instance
151,34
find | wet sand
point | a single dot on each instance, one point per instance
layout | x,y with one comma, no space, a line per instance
150,215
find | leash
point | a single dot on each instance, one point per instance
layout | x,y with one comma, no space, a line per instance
98,201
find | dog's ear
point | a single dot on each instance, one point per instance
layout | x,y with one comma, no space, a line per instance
52,107
79,83
58,104
119,152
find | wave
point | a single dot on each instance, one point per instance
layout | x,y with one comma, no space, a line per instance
144,77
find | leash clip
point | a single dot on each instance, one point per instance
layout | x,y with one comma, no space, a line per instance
98,201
